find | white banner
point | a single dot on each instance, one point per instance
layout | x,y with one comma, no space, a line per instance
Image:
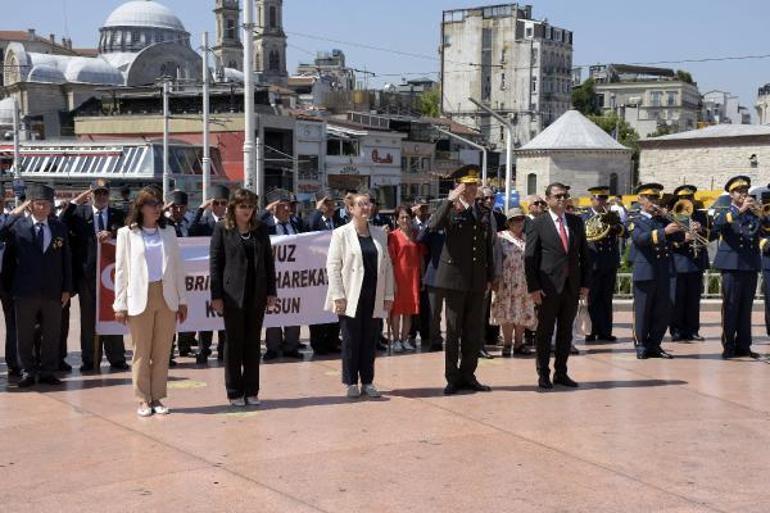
300,269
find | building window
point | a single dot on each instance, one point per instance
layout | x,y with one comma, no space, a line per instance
273,17
613,183
502,56
671,99
230,29
528,33
275,61
531,183
502,81
656,98
339,147
534,84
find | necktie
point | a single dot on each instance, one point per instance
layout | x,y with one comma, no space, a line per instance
329,225
563,235
285,229
40,236
100,221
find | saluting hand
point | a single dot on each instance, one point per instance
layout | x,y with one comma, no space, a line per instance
82,198
455,193
21,208
207,204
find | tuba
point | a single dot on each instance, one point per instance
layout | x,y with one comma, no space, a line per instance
599,225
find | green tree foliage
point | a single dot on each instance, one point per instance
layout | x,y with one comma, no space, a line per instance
429,103
627,136
584,98
684,76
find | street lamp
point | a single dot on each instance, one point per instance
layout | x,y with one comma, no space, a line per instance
470,143
508,147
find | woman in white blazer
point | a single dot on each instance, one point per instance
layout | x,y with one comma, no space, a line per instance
149,295
360,290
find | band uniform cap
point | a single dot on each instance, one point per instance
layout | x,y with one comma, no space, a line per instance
737,181
649,189
599,190
179,198
277,195
685,190
514,213
469,174
220,192
39,191
100,184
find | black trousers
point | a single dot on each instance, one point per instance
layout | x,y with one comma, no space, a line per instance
185,341
491,332
652,312
600,301
91,344
324,338
421,322
205,339
765,293
685,317
738,289
243,327
48,312
359,342
64,331
559,310
11,355
464,334
436,305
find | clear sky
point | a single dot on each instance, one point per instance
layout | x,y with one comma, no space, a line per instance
605,31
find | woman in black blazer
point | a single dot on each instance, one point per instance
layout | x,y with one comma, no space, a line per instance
242,286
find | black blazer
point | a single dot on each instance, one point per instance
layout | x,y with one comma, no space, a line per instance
272,229
315,221
547,266
228,266
202,224
80,222
38,274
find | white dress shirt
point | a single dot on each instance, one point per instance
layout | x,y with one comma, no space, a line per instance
46,232
283,228
556,222
153,254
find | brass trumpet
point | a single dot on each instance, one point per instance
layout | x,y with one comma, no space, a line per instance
600,224
680,215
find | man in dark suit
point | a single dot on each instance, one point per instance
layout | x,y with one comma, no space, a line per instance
433,240
558,273
604,254
324,338
652,241
465,273
42,282
89,225
281,341
206,218
690,262
176,213
6,297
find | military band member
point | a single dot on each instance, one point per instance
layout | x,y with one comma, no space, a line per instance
690,261
604,255
652,239
738,259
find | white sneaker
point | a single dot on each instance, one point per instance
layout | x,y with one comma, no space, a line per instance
144,410
253,400
353,392
240,401
397,347
371,391
159,408
407,346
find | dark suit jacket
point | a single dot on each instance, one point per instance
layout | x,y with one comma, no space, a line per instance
315,221
434,241
273,229
202,224
466,262
228,266
547,266
38,274
80,222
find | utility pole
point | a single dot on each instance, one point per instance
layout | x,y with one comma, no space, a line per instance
206,109
166,115
16,152
508,148
249,143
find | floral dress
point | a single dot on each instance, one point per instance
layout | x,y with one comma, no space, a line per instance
512,304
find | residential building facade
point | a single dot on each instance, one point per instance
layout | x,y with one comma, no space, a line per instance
720,107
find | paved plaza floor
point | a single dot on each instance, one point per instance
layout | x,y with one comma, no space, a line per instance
686,435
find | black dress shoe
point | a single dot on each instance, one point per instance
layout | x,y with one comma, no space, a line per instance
201,359
119,366
14,372
50,379
522,350
590,338
381,347
483,353
87,367
642,354
185,353
697,337
544,382
477,387
728,353
565,380
64,366
270,355
608,338
750,354
451,389
660,353
172,363
507,352
436,347
294,354
27,381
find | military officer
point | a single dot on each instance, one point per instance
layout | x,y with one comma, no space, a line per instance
465,271
690,261
604,255
652,239
738,259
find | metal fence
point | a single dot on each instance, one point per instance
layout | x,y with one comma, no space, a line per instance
712,286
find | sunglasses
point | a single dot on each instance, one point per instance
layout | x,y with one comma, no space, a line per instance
602,197
540,203
220,203
561,196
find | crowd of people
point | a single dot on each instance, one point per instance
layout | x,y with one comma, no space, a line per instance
511,279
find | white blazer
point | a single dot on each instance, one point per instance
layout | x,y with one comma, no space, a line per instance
345,267
131,275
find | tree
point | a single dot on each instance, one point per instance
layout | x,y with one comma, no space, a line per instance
428,103
684,76
626,136
585,100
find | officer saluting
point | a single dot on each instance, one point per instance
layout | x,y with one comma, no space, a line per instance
738,259
604,255
690,261
652,239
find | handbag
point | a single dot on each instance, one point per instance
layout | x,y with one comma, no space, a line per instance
583,318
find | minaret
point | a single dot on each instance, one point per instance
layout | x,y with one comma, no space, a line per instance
228,48
270,43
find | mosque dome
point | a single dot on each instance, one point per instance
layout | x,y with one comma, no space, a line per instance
137,24
144,13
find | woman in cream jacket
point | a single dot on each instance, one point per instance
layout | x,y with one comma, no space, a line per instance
149,295
360,290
